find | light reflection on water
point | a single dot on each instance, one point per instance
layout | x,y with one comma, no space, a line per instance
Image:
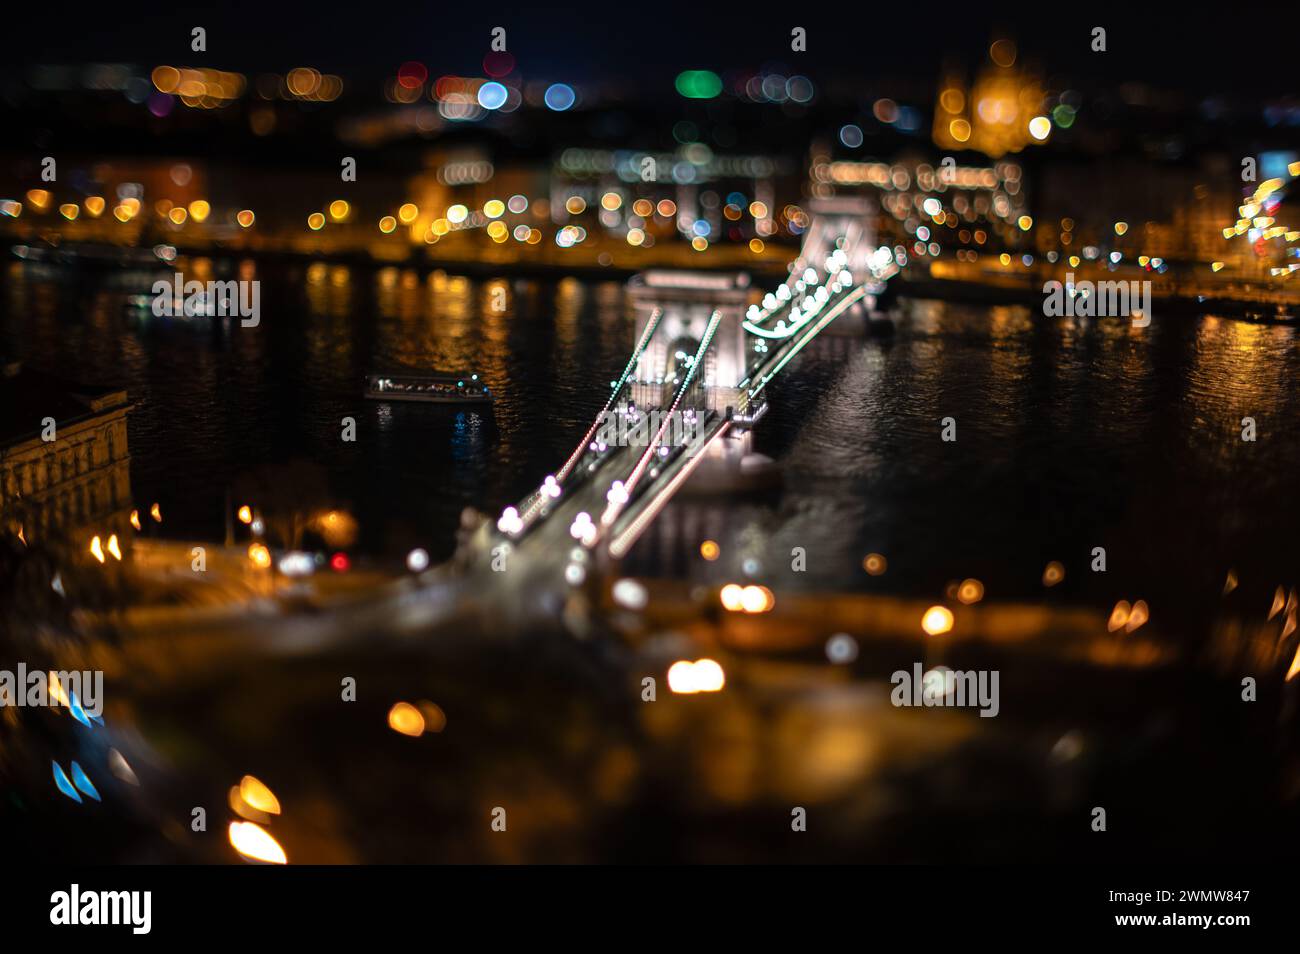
211,403
1071,434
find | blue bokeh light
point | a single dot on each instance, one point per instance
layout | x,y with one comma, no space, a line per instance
559,97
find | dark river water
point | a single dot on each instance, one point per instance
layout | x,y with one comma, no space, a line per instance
1070,435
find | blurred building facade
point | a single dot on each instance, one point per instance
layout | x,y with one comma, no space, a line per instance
78,483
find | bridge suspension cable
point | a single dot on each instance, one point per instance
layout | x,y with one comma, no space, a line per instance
618,501
836,269
624,539
651,325
532,505
706,340
783,357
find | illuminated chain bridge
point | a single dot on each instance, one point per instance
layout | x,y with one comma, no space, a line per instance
694,384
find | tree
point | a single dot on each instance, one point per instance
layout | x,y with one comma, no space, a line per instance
287,496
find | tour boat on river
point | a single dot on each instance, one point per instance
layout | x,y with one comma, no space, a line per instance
431,388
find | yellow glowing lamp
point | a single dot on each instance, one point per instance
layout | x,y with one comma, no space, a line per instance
258,795
406,719
256,843
937,620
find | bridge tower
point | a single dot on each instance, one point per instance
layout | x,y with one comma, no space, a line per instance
707,347
683,304
851,218
674,311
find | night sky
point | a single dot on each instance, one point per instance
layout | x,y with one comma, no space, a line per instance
645,44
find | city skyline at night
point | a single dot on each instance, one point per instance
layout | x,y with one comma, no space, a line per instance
684,436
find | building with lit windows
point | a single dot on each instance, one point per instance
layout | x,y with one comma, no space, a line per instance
79,482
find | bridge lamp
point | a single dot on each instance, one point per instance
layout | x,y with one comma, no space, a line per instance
630,594
510,522
579,526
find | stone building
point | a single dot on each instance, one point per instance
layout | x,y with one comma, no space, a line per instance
64,460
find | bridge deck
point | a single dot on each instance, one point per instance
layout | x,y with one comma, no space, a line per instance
620,489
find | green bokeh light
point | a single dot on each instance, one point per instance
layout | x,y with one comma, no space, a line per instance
699,84
1063,116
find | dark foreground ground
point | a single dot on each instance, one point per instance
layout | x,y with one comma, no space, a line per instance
547,721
